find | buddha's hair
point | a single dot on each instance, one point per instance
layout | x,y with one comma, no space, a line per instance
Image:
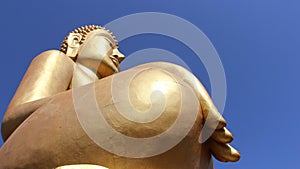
84,31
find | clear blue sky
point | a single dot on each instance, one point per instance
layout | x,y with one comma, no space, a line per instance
258,43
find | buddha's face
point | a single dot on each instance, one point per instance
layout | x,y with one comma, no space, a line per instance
110,58
100,53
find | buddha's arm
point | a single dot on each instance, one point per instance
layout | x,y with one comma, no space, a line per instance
56,134
48,74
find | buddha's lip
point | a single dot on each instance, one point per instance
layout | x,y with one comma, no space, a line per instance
115,61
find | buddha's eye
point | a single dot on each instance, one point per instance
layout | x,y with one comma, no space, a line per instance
110,44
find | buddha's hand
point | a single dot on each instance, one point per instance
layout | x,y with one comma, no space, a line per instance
216,134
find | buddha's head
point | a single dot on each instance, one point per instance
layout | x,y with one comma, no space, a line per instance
95,48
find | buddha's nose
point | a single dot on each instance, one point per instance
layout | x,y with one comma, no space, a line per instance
117,54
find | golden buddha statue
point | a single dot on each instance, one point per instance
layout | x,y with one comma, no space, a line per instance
42,128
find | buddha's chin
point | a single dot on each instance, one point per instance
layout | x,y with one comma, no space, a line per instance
107,67
104,72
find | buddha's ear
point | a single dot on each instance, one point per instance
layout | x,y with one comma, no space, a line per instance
73,45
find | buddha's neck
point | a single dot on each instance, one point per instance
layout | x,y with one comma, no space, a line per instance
82,75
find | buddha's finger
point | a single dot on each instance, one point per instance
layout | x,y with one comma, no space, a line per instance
222,135
223,152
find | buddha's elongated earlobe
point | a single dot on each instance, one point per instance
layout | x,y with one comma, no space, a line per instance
73,45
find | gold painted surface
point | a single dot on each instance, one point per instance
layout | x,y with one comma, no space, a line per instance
81,166
141,89
48,74
61,140
42,126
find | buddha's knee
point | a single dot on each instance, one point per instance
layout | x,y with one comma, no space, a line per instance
154,101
